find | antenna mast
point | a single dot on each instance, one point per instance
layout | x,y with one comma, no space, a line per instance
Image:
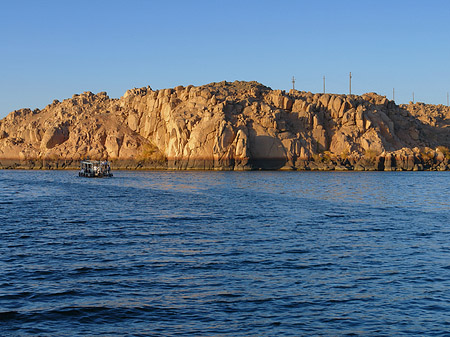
293,82
350,82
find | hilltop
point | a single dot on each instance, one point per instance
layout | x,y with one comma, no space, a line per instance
229,126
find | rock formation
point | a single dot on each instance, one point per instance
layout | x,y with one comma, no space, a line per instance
229,126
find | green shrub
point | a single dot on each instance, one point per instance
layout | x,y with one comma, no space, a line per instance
370,154
344,155
427,154
151,152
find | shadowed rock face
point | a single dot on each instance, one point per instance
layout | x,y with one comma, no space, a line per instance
229,126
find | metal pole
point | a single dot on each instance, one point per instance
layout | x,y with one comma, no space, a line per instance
350,82
293,82
324,85
413,97
393,94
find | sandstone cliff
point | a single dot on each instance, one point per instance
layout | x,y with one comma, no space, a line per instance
229,126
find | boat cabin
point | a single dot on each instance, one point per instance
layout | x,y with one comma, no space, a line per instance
95,169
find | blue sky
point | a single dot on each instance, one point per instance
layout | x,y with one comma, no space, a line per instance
54,49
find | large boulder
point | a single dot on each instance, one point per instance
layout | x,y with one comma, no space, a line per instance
54,136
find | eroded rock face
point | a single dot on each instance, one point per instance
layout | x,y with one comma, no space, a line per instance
232,126
54,136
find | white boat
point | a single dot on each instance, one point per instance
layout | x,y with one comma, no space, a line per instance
95,169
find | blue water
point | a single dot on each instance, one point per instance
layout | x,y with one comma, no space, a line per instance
225,254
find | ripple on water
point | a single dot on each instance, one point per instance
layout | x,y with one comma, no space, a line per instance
224,253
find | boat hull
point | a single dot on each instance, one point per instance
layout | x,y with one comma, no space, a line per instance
93,175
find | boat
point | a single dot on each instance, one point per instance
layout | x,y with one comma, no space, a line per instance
95,169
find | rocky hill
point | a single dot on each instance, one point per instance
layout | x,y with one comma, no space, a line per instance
229,126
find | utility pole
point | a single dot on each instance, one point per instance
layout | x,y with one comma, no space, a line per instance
413,97
293,82
350,82
324,84
393,94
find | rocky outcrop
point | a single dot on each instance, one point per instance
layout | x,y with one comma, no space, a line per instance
229,126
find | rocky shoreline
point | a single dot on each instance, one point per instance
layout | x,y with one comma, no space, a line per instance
229,126
392,162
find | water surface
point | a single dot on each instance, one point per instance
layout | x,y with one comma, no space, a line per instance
225,254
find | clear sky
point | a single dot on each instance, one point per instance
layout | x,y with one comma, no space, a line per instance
52,49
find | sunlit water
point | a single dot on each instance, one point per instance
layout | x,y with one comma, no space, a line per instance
225,253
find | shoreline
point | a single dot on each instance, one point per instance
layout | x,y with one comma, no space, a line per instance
379,165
